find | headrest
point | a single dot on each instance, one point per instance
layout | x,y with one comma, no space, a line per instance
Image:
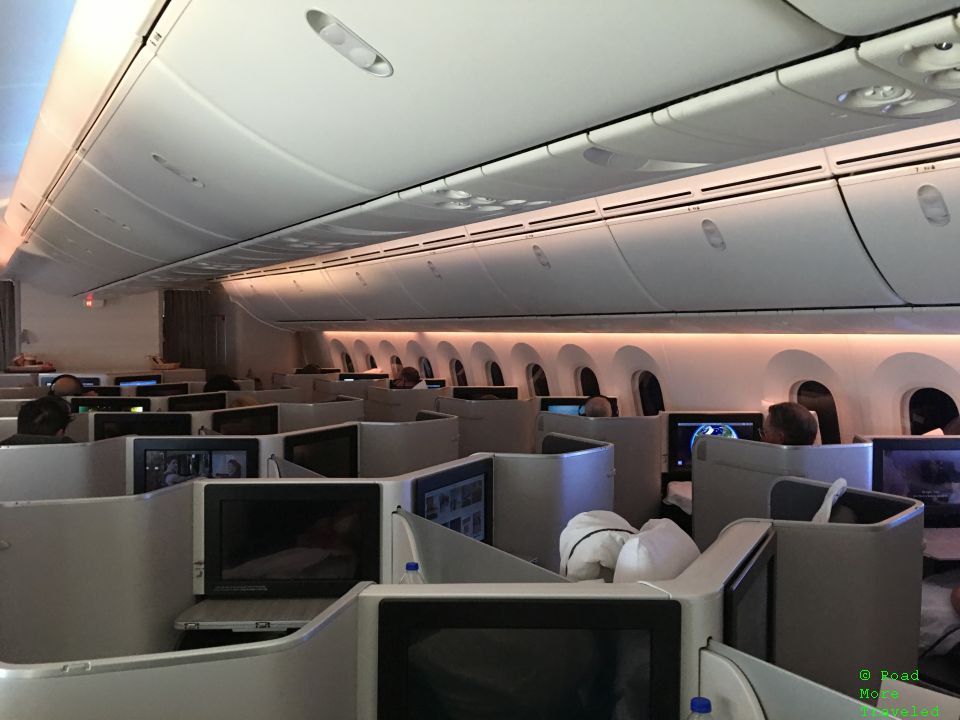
660,551
591,543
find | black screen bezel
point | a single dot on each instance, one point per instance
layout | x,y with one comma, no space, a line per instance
210,444
108,404
121,379
162,390
106,390
363,376
743,579
214,493
399,616
674,420
475,392
451,476
930,519
219,402
100,418
269,412
352,432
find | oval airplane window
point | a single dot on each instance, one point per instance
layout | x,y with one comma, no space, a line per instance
818,398
396,365
496,374
426,369
587,381
347,362
459,372
929,409
537,379
371,362
649,395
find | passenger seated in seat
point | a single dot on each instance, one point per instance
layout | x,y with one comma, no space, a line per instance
220,383
41,422
409,379
597,406
789,423
66,385
308,369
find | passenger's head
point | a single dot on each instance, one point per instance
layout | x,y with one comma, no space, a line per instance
243,401
309,369
407,378
234,469
789,423
952,427
598,406
64,385
48,415
219,383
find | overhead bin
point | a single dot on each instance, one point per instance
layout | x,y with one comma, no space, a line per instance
106,259
104,208
452,283
309,295
175,150
565,271
377,130
44,267
788,248
258,298
906,146
373,289
865,17
908,220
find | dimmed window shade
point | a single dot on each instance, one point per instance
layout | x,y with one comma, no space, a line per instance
929,409
818,398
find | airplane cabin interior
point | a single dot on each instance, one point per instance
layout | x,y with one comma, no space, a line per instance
379,361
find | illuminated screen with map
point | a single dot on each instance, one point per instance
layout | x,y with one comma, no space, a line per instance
685,430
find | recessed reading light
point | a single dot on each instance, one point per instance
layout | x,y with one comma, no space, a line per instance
348,44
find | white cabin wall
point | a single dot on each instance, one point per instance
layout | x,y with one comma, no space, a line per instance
870,376
120,335
254,348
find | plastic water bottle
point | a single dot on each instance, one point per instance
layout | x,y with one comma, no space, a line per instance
699,709
412,574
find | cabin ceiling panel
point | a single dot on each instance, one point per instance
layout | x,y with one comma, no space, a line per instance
850,84
258,298
565,272
790,248
452,283
762,116
374,290
386,133
96,203
926,55
908,220
309,295
865,17
170,147
46,267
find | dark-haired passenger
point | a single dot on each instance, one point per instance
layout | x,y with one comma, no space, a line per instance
789,423
41,422
220,383
409,379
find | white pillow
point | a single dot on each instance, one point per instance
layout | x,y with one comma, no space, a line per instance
660,551
591,543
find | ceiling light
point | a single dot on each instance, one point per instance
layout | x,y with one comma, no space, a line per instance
454,205
348,44
489,208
